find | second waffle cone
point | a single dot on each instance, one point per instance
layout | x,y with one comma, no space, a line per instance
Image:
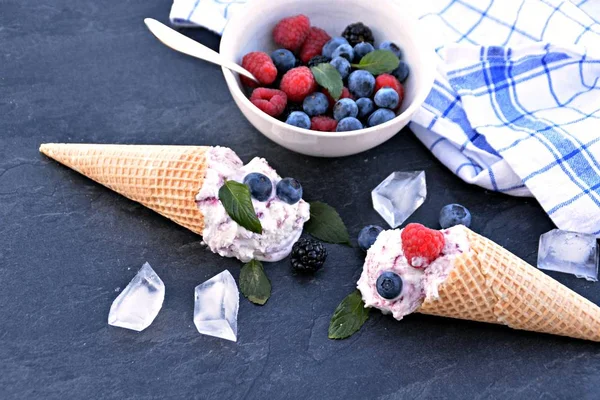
490,284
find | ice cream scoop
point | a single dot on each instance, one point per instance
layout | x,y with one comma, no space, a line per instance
476,279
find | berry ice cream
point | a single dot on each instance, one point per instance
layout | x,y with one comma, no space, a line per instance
397,285
282,215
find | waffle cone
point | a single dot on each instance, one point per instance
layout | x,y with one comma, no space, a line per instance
165,179
490,284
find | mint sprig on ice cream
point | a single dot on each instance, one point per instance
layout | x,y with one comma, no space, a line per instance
237,201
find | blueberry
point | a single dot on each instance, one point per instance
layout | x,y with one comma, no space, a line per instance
362,49
348,124
316,60
361,83
315,104
401,73
391,46
454,214
365,107
342,65
368,235
260,186
299,119
389,285
289,190
380,116
333,44
386,97
345,108
344,50
284,60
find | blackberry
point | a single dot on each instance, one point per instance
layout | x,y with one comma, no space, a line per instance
316,60
358,32
290,108
308,255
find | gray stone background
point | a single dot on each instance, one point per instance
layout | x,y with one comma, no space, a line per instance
88,71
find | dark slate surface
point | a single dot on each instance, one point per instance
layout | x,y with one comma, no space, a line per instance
88,71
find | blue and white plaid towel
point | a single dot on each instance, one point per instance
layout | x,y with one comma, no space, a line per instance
516,104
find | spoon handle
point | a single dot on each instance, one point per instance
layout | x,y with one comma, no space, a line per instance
184,44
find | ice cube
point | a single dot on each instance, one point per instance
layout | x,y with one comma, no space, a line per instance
399,195
139,303
569,252
216,307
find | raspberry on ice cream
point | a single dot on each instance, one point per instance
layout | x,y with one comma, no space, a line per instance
421,245
298,83
261,66
291,32
270,101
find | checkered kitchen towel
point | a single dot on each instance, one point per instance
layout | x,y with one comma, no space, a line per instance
515,107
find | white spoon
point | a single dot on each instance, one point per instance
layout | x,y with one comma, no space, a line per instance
185,45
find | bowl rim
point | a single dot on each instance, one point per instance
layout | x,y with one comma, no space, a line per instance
427,53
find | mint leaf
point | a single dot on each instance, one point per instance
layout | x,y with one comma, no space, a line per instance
378,62
254,283
237,201
325,224
328,76
348,317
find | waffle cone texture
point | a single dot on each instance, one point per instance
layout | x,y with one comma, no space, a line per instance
490,284
165,179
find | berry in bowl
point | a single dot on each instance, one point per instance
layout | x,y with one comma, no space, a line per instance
335,78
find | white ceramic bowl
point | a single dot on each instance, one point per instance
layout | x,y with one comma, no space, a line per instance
250,30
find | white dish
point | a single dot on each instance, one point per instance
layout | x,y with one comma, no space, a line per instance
250,30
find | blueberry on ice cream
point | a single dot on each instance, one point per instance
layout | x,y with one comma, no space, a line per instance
289,190
260,186
391,283
282,220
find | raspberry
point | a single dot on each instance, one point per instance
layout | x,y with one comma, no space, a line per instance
345,95
313,45
270,101
323,124
298,83
390,81
291,32
421,245
261,66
